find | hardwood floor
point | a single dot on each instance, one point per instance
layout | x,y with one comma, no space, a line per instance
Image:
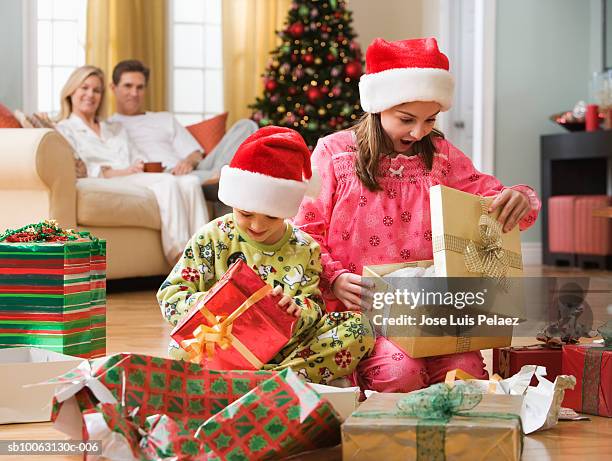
135,325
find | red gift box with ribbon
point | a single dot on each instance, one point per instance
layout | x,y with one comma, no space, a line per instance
591,364
507,361
237,325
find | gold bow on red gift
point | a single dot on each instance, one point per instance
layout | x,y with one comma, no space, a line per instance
218,332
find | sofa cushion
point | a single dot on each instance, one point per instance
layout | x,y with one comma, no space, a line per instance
103,202
7,119
209,132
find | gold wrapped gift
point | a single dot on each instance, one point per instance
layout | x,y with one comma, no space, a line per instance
410,338
467,242
492,431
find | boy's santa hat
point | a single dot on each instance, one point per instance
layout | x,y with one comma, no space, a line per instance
269,174
405,71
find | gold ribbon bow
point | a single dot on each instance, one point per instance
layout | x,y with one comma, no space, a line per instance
487,256
218,332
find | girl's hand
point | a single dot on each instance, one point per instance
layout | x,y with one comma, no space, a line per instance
286,303
350,289
514,206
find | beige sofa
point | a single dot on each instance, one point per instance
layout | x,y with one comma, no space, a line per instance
38,181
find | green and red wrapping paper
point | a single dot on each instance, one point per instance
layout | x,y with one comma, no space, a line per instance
157,408
591,364
53,295
245,342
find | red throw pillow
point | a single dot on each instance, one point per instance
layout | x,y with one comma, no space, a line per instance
209,132
7,119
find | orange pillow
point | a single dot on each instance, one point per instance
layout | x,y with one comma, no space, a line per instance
7,119
209,132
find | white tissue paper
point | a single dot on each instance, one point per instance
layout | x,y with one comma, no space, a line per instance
541,404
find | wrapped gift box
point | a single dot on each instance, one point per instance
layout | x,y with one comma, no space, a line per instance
26,366
257,334
410,338
155,408
53,295
591,364
390,435
508,361
344,400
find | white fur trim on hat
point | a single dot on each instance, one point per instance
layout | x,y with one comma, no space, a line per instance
388,88
260,193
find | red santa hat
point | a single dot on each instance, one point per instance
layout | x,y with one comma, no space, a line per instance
269,174
405,71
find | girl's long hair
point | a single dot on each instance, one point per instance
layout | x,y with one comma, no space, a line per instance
373,143
75,80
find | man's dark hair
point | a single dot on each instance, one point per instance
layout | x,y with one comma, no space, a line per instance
130,65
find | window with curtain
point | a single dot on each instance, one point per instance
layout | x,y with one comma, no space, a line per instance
196,66
60,47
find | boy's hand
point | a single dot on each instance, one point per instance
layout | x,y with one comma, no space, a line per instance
287,303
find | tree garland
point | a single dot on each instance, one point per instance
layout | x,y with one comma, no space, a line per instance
45,231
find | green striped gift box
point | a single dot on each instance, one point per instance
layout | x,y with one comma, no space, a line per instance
53,296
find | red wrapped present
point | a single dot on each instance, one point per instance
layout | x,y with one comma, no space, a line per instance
236,325
591,364
508,361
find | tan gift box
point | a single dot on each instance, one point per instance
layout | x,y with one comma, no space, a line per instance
409,337
30,365
467,242
464,438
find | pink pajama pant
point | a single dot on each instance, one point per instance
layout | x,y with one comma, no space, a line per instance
389,369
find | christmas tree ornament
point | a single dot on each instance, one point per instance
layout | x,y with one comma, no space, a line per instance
296,29
314,13
308,59
313,94
303,10
336,71
322,111
280,109
271,85
318,61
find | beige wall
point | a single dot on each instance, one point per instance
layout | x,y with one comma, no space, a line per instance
391,19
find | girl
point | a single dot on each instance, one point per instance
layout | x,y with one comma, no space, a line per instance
374,203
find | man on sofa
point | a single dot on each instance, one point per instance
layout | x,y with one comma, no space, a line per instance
162,138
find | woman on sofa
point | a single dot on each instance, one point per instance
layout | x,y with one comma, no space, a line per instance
109,155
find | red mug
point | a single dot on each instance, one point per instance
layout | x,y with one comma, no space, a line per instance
153,167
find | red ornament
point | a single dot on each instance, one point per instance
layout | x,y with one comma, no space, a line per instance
338,14
332,123
313,94
292,90
271,85
353,69
324,90
296,30
330,57
308,59
301,111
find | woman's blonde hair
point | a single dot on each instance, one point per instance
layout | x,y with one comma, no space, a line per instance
373,143
75,80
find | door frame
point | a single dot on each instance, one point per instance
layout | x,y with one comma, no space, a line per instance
483,154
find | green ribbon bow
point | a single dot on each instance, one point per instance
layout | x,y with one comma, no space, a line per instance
434,407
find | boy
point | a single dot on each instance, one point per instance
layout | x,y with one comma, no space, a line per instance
264,184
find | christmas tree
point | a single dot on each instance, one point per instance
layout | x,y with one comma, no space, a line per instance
311,81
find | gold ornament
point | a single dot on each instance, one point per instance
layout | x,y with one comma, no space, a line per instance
322,111
318,61
280,109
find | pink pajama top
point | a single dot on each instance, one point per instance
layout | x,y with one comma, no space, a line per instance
355,226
